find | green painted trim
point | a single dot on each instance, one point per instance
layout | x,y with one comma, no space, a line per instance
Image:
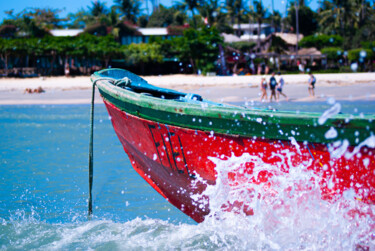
275,125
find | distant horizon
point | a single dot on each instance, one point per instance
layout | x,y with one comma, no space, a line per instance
73,6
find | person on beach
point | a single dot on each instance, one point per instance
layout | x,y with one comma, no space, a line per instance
280,85
263,88
67,69
36,90
273,84
28,90
312,81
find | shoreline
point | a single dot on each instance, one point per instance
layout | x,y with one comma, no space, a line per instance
229,89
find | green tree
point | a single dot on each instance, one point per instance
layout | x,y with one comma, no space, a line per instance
129,8
189,5
242,46
259,13
339,17
235,10
366,28
277,20
97,13
141,54
32,22
199,47
161,17
8,30
357,54
212,12
5,50
278,45
307,19
98,9
43,18
334,55
80,19
321,41
105,49
142,21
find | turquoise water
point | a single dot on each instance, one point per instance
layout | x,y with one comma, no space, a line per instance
44,174
44,191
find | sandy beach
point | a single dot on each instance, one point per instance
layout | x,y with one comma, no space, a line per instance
231,89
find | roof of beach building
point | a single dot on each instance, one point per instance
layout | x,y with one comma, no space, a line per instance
289,38
250,26
231,38
144,31
309,51
153,31
65,32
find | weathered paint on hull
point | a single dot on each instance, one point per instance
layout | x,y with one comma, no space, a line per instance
169,158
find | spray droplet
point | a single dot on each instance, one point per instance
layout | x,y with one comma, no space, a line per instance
331,133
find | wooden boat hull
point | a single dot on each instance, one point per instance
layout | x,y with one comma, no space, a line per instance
177,162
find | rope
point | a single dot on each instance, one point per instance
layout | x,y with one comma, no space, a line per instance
91,156
126,81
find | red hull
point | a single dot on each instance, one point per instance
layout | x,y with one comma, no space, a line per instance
170,158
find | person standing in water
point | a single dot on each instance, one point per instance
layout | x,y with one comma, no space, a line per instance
273,84
312,81
263,88
280,86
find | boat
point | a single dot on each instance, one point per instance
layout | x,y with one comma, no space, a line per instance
175,140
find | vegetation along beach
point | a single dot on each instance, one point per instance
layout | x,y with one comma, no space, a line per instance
273,184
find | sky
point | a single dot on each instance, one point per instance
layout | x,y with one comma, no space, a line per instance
71,6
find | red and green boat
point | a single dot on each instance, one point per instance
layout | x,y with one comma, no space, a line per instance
175,139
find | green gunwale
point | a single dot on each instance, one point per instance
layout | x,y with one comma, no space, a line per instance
237,121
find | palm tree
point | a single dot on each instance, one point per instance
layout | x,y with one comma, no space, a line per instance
192,5
277,20
80,19
130,9
97,9
339,15
235,10
94,14
211,11
259,13
239,11
34,22
230,10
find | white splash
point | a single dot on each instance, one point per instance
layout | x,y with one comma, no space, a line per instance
338,148
369,142
293,141
331,133
334,110
289,212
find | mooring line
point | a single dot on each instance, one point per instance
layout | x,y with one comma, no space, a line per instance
91,147
91,157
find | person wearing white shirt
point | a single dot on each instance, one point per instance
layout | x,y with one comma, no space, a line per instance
280,85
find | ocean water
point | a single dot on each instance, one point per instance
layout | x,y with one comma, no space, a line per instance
44,192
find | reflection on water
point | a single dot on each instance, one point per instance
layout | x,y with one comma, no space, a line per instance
44,185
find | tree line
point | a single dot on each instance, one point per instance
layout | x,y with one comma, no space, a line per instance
342,29
196,49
